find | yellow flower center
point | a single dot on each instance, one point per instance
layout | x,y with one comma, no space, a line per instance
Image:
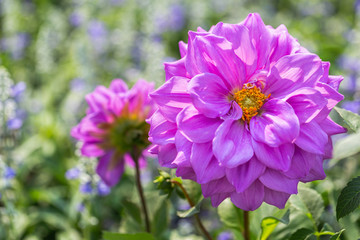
250,99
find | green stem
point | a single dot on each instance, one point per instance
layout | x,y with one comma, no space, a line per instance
246,226
191,203
141,194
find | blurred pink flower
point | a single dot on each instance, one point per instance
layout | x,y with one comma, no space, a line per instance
244,113
114,128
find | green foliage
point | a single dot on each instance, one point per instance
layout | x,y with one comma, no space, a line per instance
268,224
192,211
351,119
349,198
121,236
303,234
230,215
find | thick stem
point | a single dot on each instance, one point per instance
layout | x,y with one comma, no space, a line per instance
191,203
141,195
246,226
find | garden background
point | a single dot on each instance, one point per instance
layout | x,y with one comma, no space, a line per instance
58,51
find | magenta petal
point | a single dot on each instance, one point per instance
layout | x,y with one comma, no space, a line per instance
161,130
307,103
316,167
110,169
99,99
176,68
279,182
205,164
183,49
212,54
312,138
167,154
292,72
330,127
217,186
276,198
89,149
195,126
239,36
243,176
334,81
278,158
172,97
218,198
118,86
251,198
261,37
235,112
300,166
184,146
130,162
232,144
278,124
330,94
209,94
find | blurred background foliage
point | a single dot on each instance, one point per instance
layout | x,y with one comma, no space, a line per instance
63,49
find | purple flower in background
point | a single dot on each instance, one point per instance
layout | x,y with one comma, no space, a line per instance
244,113
18,90
76,19
80,207
353,106
86,188
9,173
225,236
114,128
173,20
16,44
72,173
98,34
103,189
78,84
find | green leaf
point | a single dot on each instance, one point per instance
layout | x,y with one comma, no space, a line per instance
349,198
310,202
230,215
133,210
337,235
351,119
160,219
301,234
192,211
268,224
346,147
122,236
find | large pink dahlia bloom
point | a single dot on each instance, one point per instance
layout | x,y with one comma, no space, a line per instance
114,128
245,113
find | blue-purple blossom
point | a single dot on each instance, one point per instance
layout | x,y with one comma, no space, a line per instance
9,173
225,236
86,188
73,173
103,189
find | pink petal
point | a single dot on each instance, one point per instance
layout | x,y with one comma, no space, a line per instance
312,138
316,167
276,125
89,149
275,198
300,166
243,176
278,158
209,95
212,54
172,97
292,72
195,126
251,198
307,103
205,164
175,69
239,36
232,144
110,168
161,131
277,181
330,127
182,48
217,186
167,154
118,86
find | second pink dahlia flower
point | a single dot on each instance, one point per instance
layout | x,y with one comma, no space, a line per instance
245,113
114,128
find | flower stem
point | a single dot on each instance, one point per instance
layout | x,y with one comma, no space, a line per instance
141,195
246,226
191,203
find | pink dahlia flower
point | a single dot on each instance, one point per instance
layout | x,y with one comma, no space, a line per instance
245,113
114,128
